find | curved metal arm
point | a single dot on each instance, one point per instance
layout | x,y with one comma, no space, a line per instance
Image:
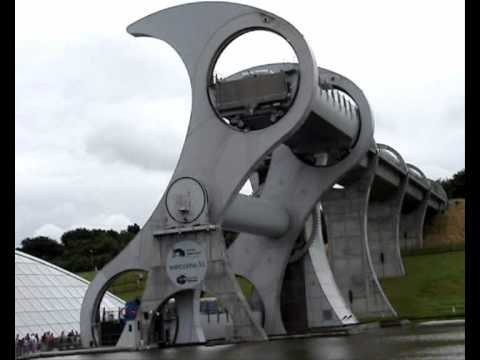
417,170
395,153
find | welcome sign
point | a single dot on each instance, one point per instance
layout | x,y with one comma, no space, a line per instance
186,264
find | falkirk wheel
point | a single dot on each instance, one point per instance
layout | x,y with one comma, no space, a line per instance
294,130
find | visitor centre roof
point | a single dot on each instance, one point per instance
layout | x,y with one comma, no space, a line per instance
49,298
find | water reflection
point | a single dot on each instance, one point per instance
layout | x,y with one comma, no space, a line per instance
393,343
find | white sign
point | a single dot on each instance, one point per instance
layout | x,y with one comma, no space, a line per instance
186,264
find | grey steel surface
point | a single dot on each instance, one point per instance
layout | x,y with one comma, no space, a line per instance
298,187
217,157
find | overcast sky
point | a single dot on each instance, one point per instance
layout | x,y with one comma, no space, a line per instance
100,116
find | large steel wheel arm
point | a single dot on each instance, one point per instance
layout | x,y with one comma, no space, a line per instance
215,160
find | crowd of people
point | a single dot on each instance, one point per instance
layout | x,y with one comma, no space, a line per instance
31,343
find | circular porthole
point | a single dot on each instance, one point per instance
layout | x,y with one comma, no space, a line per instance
254,80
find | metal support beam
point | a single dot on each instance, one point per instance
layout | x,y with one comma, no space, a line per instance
256,216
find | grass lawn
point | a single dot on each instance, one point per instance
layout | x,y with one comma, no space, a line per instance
89,275
126,286
434,284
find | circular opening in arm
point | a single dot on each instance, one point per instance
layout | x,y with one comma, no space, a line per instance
254,80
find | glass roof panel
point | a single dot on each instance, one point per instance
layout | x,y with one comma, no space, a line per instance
47,298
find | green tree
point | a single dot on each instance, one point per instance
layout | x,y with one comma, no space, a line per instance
42,247
81,249
134,229
455,186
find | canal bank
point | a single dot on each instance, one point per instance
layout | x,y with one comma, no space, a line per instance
446,339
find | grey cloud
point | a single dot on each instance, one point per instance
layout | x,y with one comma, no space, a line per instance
148,134
101,70
144,150
84,195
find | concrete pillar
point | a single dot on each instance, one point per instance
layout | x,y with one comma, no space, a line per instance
411,225
383,232
130,336
188,311
346,216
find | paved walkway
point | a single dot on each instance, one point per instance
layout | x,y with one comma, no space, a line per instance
455,322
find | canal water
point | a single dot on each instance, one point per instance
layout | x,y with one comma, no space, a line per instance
428,342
